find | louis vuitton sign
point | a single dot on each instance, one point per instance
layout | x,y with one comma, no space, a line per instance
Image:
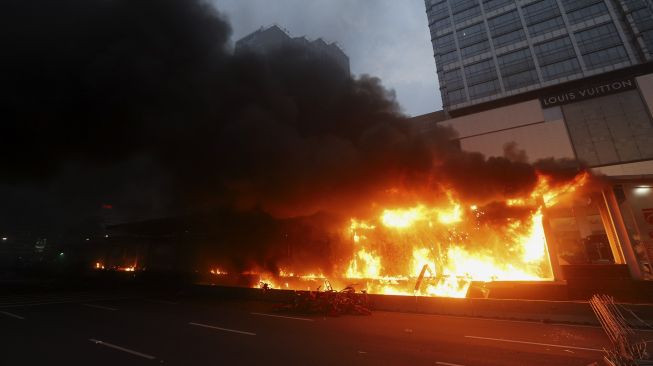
576,95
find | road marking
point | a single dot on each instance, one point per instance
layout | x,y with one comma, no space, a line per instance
135,353
222,329
100,307
58,302
536,344
532,322
12,315
283,317
447,364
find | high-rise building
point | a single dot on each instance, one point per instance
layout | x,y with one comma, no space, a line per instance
487,50
274,37
559,81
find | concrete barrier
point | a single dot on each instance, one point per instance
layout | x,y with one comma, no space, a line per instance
572,312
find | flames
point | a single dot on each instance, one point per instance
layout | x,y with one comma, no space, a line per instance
447,247
440,247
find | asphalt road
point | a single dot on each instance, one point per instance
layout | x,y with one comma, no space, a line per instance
136,329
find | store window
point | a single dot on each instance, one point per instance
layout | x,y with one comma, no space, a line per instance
577,230
636,205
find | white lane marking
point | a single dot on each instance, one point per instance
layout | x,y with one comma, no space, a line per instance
12,315
100,307
127,350
40,299
536,343
532,322
222,329
77,301
447,363
283,317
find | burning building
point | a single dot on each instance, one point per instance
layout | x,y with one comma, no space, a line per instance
572,82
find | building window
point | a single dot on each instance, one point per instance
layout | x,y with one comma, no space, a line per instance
520,80
554,51
490,5
601,46
484,89
606,57
517,69
578,229
445,44
475,49
447,58
543,17
611,129
594,39
461,5
439,11
560,69
643,18
571,5
467,14
453,80
634,4
546,26
515,62
541,11
582,14
504,23
480,72
440,24
509,38
455,97
472,34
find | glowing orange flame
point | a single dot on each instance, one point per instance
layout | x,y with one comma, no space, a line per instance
439,250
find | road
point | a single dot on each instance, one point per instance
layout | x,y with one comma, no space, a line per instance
136,329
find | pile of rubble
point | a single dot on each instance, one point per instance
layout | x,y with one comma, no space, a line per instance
328,302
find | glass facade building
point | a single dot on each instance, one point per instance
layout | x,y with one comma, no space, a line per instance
491,49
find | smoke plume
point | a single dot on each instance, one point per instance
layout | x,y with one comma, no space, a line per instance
138,105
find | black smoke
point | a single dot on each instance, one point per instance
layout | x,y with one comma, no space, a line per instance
136,109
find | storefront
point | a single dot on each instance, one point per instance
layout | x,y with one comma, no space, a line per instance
606,124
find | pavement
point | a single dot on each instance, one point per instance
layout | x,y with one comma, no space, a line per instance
137,328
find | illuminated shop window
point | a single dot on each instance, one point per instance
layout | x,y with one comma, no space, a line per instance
636,205
578,232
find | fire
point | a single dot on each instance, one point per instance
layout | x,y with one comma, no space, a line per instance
439,249
402,218
405,218
312,276
99,265
421,258
218,272
364,265
448,246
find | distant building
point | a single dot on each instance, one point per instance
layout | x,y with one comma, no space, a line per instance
492,49
272,38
